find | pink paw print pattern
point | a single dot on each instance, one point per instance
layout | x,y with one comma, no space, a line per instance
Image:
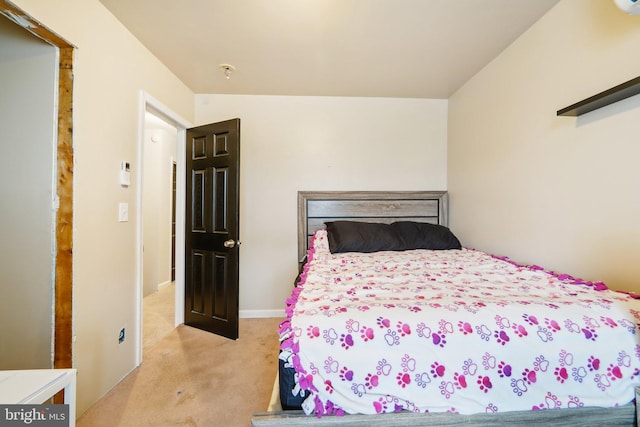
532,320
328,386
383,368
541,364
504,369
403,329
446,389
608,321
383,323
371,381
437,370
469,367
551,401
352,325
358,389
489,361
552,325
408,363
439,339
502,322
484,383
501,337
593,363
565,358
331,365
579,374
602,381
624,359
330,336
519,386
614,373
574,402
423,330
484,332
422,379
346,374
392,338
346,341
459,381
403,379
465,328
491,409
380,405
544,334
313,331
589,334
590,322
445,327
561,374
571,326
529,376
366,334
519,330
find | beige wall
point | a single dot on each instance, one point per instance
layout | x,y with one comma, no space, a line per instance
111,68
318,143
159,152
556,191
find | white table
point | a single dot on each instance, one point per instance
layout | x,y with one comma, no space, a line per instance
36,386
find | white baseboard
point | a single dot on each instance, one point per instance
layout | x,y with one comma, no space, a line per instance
253,314
164,284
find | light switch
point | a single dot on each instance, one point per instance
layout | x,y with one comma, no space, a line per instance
123,212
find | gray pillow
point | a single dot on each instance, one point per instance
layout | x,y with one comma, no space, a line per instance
353,236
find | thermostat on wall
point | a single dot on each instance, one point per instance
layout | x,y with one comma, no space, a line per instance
125,174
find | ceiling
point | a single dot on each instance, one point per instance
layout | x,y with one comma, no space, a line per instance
377,48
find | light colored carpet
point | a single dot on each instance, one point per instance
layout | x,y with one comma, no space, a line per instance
157,316
194,378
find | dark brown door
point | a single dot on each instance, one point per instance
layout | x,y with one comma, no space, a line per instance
212,228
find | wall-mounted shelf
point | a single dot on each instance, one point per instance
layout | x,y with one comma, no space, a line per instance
615,94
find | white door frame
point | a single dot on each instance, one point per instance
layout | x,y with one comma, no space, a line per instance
150,104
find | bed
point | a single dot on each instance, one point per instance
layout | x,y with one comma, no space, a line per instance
385,328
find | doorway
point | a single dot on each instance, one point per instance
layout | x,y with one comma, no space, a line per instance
63,177
174,130
27,140
158,288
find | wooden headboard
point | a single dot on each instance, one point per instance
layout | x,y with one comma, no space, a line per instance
316,207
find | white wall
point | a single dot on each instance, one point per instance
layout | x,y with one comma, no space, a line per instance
556,191
289,144
27,140
111,69
159,152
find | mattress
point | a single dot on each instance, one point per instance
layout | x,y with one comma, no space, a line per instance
453,331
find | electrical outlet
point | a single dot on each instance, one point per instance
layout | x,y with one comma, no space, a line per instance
122,336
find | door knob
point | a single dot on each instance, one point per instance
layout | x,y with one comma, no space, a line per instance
230,243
